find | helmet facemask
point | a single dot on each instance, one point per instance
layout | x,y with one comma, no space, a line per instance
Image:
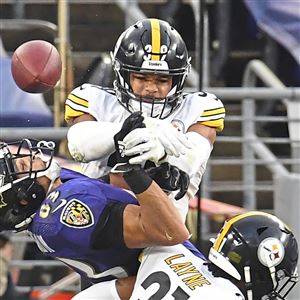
20,192
137,52
152,107
285,283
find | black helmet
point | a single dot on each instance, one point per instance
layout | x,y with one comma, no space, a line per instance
260,252
150,46
20,193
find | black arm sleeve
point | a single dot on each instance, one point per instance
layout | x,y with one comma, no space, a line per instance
105,178
109,229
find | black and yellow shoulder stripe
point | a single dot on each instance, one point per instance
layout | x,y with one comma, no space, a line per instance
213,118
75,106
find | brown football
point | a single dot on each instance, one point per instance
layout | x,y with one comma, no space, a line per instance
36,66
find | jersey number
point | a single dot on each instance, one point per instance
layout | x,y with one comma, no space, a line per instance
164,287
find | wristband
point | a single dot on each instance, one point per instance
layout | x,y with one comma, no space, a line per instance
138,180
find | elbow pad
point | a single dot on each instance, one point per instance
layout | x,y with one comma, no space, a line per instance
92,140
196,157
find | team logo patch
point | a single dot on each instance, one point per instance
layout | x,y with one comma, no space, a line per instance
77,214
270,252
178,125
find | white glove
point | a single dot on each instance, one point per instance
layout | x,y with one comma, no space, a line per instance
143,143
174,142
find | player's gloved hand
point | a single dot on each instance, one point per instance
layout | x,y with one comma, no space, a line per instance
135,120
174,142
169,178
143,145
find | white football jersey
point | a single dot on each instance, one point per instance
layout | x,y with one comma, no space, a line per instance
103,105
176,273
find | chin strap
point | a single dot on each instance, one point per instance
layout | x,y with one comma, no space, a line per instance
247,275
24,224
52,172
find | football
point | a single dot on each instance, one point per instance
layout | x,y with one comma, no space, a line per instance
36,66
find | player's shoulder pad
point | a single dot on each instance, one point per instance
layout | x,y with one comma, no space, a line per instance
213,113
85,92
207,99
77,102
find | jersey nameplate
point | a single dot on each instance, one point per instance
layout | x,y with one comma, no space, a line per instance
188,273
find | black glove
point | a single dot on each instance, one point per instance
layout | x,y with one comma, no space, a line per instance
118,160
169,178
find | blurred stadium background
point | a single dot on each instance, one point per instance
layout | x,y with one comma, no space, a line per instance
247,52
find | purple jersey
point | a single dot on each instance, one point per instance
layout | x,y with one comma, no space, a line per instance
193,249
67,219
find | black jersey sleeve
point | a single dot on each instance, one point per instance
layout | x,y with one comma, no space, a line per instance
109,229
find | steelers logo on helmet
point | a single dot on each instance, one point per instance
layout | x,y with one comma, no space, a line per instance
270,252
151,46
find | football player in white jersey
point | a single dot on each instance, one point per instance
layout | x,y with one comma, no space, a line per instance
151,63
254,257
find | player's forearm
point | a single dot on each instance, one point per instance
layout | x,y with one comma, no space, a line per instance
161,222
161,219
92,140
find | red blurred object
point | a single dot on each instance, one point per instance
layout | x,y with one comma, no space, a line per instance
57,296
36,66
214,207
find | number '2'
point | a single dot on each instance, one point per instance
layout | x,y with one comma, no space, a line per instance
164,286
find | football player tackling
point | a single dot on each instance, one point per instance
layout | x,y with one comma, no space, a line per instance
254,257
93,227
151,63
